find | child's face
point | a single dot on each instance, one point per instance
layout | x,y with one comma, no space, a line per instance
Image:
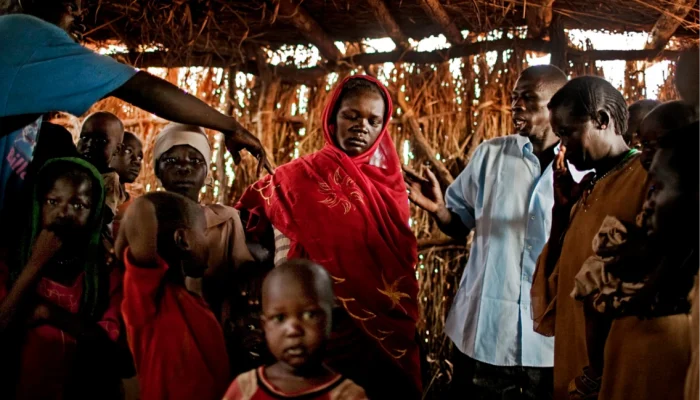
127,161
649,134
665,206
66,207
296,325
183,170
359,122
99,141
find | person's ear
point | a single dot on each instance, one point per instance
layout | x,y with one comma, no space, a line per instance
183,239
603,120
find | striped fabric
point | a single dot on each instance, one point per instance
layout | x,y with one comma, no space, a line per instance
282,244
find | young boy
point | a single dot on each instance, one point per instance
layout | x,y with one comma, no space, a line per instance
58,298
101,137
297,304
176,341
127,163
181,159
637,110
662,119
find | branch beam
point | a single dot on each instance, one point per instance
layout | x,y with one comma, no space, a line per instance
307,26
437,13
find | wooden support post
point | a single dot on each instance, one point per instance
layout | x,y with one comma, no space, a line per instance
538,15
307,26
560,43
383,15
270,87
421,143
310,75
667,24
437,13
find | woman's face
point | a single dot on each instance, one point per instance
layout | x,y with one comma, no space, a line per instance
359,122
182,170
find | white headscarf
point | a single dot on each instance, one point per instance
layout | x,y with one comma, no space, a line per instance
175,134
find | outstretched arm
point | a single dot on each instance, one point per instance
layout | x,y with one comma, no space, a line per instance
166,100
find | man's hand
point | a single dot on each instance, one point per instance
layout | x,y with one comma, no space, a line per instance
242,139
46,246
139,232
425,192
565,188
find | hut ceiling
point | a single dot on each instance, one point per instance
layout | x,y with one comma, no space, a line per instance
221,32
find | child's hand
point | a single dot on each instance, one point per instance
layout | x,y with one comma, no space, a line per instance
40,314
45,247
139,232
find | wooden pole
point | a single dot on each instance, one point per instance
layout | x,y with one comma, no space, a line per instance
560,43
420,142
307,26
668,23
437,13
296,75
538,15
383,15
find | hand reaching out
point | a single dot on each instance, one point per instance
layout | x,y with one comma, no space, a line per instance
242,139
425,192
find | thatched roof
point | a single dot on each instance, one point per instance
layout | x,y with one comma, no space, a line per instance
227,30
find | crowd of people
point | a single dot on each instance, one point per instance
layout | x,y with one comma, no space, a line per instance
581,282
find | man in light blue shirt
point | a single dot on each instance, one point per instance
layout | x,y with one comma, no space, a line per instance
506,195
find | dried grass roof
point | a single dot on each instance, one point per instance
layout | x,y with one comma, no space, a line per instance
221,26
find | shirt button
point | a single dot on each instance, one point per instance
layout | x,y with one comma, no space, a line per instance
532,217
529,247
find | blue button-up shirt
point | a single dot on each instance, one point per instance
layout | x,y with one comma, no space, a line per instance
505,197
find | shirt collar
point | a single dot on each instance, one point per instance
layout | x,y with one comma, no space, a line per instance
525,145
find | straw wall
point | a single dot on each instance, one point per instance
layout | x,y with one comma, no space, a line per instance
458,105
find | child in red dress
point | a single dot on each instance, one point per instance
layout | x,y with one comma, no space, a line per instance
297,303
59,298
176,341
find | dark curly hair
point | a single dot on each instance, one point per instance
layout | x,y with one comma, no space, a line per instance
589,94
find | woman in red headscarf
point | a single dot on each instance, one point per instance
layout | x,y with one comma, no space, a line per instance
346,208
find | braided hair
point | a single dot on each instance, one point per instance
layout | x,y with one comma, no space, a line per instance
587,95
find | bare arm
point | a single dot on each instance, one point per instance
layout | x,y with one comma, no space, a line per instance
427,194
166,100
46,246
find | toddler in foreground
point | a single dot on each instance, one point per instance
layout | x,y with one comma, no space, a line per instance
297,302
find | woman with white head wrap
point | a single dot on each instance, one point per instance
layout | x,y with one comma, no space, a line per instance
182,157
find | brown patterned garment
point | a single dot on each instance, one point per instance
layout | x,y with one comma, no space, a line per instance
580,331
601,278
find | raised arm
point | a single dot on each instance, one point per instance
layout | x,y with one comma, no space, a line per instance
166,100
45,247
425,192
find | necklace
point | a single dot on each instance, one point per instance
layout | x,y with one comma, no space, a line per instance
591,185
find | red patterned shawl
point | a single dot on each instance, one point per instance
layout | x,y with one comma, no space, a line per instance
351,216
